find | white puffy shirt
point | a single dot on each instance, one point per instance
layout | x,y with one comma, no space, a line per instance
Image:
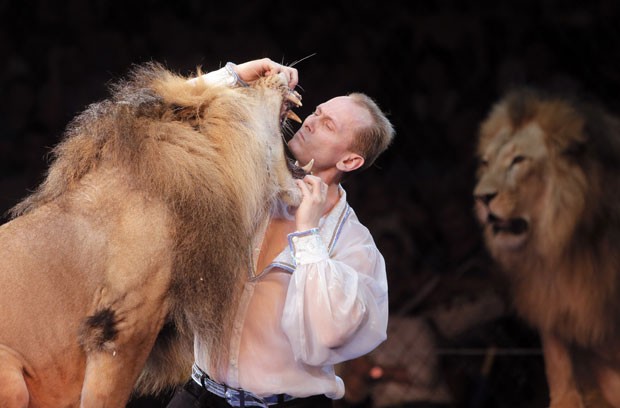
321,301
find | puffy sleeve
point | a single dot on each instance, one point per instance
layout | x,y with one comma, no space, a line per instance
222,76
336,306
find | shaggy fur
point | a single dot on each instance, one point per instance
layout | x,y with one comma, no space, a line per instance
554,165
161,189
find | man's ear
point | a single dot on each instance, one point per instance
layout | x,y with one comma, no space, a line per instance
350,162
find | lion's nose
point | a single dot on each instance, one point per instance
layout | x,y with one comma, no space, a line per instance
486,198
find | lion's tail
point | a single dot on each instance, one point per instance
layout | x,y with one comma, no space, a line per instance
169,363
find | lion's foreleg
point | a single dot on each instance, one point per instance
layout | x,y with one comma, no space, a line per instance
112,372
609,383
117,340
109,378
558,367
13,390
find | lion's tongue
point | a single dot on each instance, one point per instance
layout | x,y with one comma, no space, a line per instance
513,226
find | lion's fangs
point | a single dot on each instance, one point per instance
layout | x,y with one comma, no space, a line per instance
292,115
294,97
307,167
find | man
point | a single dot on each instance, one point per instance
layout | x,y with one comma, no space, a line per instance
318,293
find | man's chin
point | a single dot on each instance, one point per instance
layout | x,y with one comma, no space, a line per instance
294,139
294,148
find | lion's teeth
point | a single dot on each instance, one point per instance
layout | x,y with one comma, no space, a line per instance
294,97
308,166
292,115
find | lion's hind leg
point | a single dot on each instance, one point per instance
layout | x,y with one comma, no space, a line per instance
13,390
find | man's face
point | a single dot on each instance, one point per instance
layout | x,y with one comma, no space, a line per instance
327,133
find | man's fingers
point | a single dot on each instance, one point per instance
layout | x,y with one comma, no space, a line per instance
303,187
252,70
292,75
315,186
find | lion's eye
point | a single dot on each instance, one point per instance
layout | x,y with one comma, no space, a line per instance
483,162
517,160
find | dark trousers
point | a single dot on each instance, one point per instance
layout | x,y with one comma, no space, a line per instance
192,395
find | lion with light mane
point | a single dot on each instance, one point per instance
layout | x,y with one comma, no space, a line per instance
137,238
548,198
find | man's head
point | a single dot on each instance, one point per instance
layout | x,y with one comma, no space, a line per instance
371,141
342,135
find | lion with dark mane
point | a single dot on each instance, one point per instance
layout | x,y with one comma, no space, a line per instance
548,197
138,237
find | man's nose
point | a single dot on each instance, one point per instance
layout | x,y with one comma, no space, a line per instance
309,123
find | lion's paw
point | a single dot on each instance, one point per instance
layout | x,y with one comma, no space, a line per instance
568,400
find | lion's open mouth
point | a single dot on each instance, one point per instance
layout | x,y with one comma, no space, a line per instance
291,99
514,226
297,171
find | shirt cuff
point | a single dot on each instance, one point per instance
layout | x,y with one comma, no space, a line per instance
307,247
220,77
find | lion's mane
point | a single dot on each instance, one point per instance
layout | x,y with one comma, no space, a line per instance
566,278
196,149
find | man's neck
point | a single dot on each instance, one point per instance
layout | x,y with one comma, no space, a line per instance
333,196
331,177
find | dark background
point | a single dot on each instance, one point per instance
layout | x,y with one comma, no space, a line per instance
436,67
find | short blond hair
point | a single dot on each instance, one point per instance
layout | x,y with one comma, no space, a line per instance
371,141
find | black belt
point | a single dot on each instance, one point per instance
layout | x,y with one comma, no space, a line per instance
233,396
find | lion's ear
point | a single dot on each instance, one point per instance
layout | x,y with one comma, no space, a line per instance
350,162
